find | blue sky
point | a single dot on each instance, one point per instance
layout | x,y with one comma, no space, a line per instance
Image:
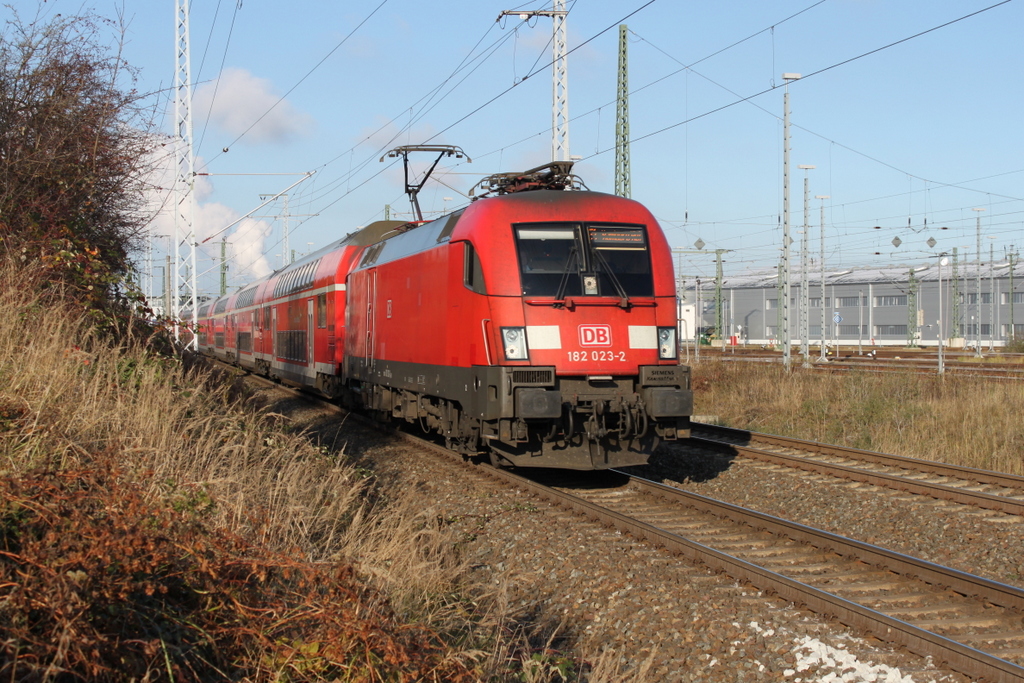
910,138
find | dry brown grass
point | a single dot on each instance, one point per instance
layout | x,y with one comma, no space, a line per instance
961,420
249,513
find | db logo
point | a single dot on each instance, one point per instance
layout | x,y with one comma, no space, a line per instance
595,335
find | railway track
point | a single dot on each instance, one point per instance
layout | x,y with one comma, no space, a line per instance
965,485
1001,366
971,624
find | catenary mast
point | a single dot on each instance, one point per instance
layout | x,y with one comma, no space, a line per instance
560,76
622,180
185,272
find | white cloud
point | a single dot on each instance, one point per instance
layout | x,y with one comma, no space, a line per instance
246,238
239,100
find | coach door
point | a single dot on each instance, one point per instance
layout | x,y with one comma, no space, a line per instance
371,320
273,333
309,333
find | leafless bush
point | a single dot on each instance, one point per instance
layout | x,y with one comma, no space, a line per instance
74,137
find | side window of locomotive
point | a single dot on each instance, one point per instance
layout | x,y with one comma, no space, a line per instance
472,271
621,257
549,259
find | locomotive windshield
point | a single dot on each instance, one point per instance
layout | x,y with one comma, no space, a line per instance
567,259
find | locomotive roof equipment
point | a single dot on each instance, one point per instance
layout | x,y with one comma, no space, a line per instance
413,189
556,175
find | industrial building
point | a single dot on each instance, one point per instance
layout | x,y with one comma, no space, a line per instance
967,304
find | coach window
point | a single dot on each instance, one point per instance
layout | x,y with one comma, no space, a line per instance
321,311
472,271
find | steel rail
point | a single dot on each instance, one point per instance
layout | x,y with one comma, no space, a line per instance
956,655
969,475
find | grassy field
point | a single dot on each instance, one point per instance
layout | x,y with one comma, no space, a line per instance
957,419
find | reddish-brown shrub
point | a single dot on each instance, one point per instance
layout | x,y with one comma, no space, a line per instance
99,583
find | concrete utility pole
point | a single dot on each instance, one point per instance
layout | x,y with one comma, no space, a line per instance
289,253
559,76
622,179
718,282
784,333
805,298
1012,334
955,304
223,266
821,258
185,271
168,283
991,298
698,318
977,331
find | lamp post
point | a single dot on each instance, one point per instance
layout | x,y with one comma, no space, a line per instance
977,289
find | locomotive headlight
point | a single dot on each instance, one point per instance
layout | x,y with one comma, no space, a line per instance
514,339
667,348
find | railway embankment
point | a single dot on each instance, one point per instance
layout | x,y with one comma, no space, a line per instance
157,523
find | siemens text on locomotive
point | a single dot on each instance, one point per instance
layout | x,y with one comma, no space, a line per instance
538,325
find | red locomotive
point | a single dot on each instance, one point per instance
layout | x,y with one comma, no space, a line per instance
537,325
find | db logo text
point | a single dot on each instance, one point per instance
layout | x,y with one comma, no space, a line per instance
595,335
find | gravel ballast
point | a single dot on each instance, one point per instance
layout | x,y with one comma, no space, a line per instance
653,610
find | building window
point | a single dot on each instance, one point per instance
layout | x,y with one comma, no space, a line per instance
891,300
890,330
851,301
772,304
1018,297
815,302
851,330
986,298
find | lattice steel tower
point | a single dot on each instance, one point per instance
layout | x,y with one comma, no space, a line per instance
185,272
560,76
622,180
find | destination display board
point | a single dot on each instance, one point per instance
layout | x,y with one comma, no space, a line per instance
617,238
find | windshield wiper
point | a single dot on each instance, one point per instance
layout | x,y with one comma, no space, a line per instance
560,294
624,298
